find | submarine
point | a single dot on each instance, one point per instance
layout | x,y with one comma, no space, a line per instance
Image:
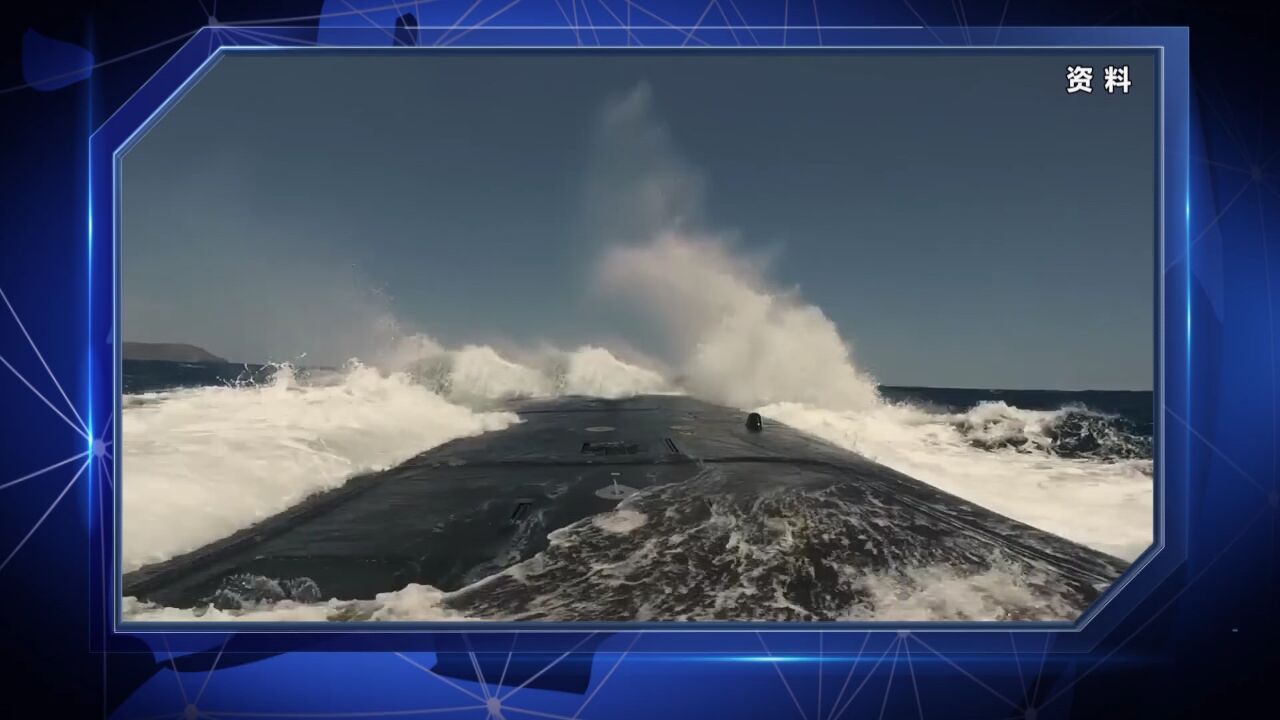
649,508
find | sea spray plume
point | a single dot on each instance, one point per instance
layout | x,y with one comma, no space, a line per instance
740,342
733,338
636,186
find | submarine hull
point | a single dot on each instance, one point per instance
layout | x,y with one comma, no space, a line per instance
656,507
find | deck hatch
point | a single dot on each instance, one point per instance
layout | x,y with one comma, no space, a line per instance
521,510
610,447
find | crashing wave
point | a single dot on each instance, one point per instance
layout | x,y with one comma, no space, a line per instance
205,462
1069,432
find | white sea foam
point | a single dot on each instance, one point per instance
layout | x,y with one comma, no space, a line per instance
1105,505
595,371
412,603
201,463
620,522
939,593
916,594
477,373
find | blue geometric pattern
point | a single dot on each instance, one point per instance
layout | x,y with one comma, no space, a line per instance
1197,618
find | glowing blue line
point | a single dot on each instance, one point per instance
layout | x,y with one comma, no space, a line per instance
88,412
1186,239
916,656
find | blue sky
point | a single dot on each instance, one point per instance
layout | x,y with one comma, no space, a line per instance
962,219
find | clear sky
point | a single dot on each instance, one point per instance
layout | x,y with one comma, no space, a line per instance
961,218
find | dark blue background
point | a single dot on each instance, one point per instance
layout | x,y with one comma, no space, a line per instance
1193,634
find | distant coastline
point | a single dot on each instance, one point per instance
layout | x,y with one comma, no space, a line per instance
170,352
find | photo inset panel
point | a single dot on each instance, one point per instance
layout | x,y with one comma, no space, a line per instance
653,336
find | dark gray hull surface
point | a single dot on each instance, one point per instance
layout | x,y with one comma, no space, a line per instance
714,523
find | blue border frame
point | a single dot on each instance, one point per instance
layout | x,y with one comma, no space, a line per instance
1173,389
